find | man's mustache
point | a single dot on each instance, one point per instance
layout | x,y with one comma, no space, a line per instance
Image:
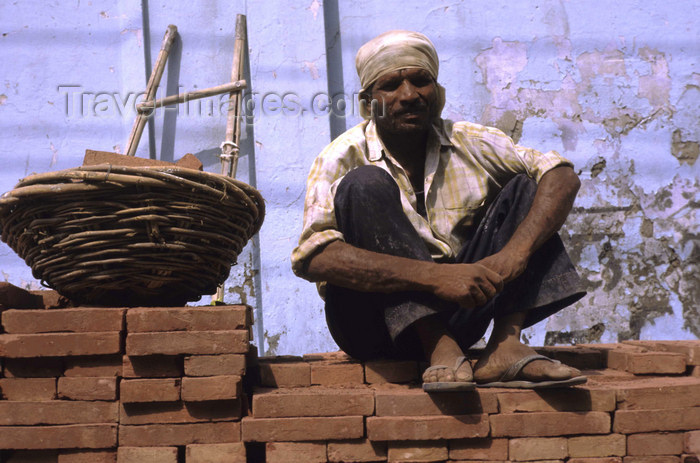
414,108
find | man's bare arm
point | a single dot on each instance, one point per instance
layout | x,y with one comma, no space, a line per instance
345,265
553,201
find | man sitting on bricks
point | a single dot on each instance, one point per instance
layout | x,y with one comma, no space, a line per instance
422,230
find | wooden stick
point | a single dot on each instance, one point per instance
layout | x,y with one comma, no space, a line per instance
231,87
151,88
229,148
229,158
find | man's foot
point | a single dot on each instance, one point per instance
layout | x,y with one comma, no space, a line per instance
497,360
507,362
447,361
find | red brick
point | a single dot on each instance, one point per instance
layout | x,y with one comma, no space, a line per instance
214,365
34,368
691,349
285,374
337,373
413,401
658,393
219,318
417,451
570,400
57,412
50,298
59,344
14,297
31,456
147,454
179,434
337,356
359,450
391,371
427,427
216,453
548,424
652,459
312,401
606,376
690,458
302,429
81,436
612,445
88,456
211,388
645,363
149,390
655,444
692,442
63,320
178,412
583,358
28,389
77,388
153,366
187,342
537,448
672,419
596,460
295,452
102,366
484,449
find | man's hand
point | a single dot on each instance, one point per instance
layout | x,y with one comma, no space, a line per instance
553,201
508,265
469,285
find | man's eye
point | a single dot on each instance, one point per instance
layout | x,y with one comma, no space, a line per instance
388,86
421,81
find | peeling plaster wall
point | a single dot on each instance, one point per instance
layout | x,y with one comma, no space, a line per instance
614,87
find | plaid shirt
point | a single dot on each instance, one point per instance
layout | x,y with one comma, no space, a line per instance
466,166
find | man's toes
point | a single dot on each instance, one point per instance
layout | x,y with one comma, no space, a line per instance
446,374
544,370
429,377
561,371
464,372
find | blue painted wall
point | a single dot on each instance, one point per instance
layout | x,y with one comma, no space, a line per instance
614,87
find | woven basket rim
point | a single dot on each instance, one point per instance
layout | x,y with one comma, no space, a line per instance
94,177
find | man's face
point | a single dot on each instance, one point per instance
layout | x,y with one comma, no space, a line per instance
406,101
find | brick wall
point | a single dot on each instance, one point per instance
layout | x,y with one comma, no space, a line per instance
181,385
641,405
142,385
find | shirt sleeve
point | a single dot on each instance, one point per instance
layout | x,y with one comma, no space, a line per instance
320,227
539,163
503,158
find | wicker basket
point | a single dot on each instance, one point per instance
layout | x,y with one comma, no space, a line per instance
130,236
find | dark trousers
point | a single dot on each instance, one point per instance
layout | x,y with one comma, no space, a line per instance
375,325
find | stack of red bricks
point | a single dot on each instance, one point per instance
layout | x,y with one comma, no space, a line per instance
140,385
164,385
640,405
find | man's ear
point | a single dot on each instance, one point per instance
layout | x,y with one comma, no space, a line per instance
365,101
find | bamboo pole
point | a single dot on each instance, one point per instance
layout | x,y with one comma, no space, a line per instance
231,87
151,88
229,154
229,148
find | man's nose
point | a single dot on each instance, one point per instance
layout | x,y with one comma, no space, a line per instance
407,91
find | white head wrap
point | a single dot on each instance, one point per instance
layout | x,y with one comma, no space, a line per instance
396,50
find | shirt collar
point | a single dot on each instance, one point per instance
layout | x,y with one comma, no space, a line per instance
375,147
